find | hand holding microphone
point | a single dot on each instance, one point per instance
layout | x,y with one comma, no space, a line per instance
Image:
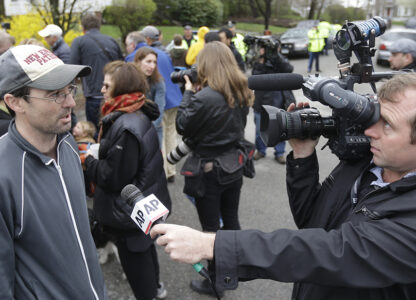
149,211
184,244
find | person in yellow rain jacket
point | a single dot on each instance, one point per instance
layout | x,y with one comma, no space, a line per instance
316,44
324,29
195,48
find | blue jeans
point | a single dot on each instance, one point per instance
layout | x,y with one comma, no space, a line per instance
313,56
92,110
279,149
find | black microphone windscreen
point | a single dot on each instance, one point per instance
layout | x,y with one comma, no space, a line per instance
128,191
276,82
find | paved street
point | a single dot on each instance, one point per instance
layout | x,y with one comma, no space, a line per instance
264,206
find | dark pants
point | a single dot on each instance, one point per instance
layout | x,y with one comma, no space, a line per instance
313,56
141,269
219,200
92,110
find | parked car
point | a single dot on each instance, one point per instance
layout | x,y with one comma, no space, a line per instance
294,42
411,23
307,24
387,39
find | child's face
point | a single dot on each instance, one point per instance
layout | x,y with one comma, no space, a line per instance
77,131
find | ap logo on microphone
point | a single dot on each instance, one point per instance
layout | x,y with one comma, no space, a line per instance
147,211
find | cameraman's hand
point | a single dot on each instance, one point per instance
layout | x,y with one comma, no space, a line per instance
302,148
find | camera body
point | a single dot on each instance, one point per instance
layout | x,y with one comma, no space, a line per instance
178,76
268,43
352,113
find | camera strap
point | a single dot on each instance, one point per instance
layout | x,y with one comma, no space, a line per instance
356,186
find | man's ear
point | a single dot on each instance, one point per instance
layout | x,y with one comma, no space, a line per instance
14,103
408,58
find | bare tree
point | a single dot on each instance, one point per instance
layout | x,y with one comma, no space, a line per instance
265,8
58,12
321,6
312,9
2,11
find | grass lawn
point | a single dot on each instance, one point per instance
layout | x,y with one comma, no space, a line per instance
169,31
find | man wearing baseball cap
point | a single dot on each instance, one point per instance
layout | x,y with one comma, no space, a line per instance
403,55
52,34
47,251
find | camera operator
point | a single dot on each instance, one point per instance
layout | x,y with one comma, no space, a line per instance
214,118
277,63
357,228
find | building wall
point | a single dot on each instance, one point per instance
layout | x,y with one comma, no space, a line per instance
22,7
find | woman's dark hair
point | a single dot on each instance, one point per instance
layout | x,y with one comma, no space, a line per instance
140,55
126,78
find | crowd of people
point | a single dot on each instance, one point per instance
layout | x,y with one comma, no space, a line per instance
134,113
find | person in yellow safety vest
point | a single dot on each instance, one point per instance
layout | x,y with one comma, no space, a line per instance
238,40
195,48
316,44
325,29
188,37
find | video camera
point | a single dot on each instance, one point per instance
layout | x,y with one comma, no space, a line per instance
270,45
351,113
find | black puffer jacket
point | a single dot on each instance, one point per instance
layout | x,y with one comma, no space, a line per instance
209,122
129,153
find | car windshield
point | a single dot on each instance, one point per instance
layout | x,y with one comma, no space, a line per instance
295,34
394,36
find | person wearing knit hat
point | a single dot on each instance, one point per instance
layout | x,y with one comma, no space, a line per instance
403,55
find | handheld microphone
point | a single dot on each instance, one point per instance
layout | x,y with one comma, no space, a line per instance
148,211
276,82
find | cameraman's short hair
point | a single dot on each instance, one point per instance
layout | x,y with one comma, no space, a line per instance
90,21
136,37
228,33
397,85
177,39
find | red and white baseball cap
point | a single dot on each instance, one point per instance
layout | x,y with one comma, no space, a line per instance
36,67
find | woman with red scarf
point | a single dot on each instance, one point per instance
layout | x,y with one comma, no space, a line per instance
129,154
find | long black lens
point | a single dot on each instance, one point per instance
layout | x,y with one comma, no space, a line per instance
277,125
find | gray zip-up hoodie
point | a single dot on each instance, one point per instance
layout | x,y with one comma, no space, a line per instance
46,248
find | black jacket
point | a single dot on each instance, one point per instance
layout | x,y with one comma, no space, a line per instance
129,153
86,51
280,99
238,58
62,50
209,122
361,252
5,119
412,66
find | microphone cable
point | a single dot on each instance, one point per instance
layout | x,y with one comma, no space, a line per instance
201,270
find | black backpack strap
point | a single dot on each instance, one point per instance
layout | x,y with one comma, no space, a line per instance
101,46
